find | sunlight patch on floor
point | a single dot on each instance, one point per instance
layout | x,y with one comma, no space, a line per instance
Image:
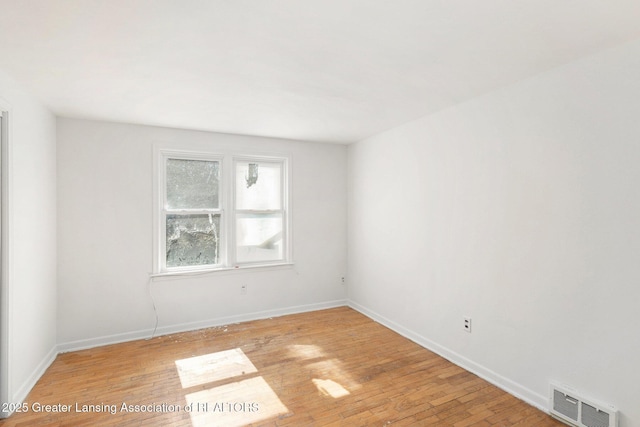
213,367
332,368
330,388
301,351
236,404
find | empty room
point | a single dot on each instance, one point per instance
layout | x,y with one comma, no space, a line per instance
319,213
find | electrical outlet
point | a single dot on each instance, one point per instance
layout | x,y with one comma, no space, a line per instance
343,282
243,289
467,324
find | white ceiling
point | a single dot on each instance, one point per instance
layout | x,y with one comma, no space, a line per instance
320,70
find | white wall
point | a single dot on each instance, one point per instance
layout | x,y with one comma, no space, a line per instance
30,307
520,209
105,238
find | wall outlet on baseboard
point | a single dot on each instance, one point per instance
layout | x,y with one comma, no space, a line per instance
467,324
243,289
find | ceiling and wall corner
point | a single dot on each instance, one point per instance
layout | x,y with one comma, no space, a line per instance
318,70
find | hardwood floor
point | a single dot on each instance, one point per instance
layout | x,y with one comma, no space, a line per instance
326,368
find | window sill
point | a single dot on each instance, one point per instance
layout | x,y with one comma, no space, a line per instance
222,270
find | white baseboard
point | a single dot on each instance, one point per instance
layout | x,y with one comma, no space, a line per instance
21,394
511,387
534,399
192,326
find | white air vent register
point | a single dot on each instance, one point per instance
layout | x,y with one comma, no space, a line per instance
567,405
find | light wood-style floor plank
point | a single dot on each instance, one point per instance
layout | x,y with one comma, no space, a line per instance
326,368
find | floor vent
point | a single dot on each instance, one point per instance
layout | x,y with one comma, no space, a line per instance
568,406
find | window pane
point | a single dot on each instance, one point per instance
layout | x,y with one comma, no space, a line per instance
258,237
258,185
192,184
193,239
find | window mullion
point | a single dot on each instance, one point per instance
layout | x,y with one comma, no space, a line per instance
259,212
192,211
228,201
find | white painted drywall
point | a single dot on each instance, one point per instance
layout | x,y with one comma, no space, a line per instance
31,305
105,211
520,209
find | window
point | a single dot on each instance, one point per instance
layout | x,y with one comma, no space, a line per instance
259,213
192,212
220,211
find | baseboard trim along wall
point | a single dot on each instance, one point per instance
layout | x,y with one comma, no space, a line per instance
21,394
192,326
534,399
515,389
24,390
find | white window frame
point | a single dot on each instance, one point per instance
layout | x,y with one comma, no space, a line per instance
226,209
